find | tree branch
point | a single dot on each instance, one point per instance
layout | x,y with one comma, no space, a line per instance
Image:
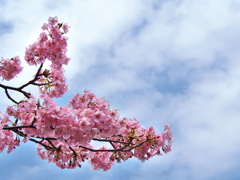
110,141
115,150
34,79
19,89
74,152
48,139
50,142
17,127
44,145
9,97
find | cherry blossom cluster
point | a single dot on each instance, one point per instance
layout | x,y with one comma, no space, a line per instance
9,68
66,134
85,119
54,82
51,45
7,137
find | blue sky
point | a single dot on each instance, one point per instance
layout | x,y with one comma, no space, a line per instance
158,61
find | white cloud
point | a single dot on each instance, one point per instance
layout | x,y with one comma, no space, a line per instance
25,172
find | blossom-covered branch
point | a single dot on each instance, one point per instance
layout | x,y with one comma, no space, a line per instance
65,134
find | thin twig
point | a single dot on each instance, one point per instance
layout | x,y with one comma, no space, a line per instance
74,152
50,142
17,127
19,89
113,150
20,133
109,140
40,142
9,97
33,80
42,84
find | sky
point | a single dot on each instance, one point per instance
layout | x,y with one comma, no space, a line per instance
159,61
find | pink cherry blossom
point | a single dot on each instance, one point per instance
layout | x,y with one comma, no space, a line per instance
65,28
55,82
53,20
51,45
9,68
66,134
7,138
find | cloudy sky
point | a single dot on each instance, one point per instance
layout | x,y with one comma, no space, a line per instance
174,61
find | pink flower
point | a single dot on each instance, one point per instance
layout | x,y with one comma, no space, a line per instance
53,20
9,68
101,160
64,133
65,28
52,46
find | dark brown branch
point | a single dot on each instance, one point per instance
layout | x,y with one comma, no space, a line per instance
50,142
20,127
9,97
27,95
112,145
20,133
134,147
17,127
40,142
114,150
126,148
42,84
16,121
32,124
74,152
109,140
19,89
110,150
34,79
48,138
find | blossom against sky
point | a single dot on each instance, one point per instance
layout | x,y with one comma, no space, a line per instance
158,61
